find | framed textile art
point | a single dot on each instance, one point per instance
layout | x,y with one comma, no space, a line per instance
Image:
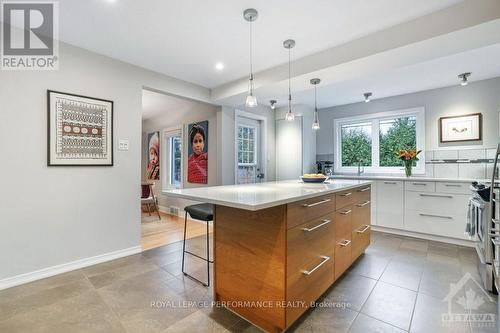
80,130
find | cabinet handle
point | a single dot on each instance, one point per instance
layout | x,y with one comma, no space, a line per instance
316,203
364,189
436,196
345,243
419,184
495,242
363,204
453,185
439,216
390,183
495,221
364,229
325,259
325,222
346,212
346,194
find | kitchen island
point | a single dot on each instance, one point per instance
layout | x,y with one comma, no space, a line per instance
279,245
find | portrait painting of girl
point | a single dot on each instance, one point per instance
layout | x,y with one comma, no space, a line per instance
198,153
153,169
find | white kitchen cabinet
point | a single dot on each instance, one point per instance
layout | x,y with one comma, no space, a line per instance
390,200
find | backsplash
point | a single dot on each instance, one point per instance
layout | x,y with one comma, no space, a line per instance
452,163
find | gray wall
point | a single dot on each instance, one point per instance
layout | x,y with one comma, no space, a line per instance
56,215
481,96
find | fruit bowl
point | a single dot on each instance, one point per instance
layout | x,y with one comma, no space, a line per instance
313,178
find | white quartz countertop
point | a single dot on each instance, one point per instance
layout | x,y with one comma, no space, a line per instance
263,195
412,178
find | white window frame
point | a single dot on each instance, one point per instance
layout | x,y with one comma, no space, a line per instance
375,119
261,139
166,160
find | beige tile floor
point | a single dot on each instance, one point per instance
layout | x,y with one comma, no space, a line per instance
398,285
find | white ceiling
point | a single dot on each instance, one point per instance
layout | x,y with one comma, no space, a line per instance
185,39
156,105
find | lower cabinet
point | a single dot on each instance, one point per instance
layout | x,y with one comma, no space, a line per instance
390,200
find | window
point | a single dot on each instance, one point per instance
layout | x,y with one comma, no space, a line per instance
247,154
373,141
173,158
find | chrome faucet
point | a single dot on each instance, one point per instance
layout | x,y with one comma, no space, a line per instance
361,169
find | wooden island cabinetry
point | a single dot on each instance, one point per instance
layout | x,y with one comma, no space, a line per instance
271,264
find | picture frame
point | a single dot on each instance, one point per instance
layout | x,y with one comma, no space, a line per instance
463,128
79,130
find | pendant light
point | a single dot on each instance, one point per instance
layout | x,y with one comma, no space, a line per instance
289,44
315,125
250,15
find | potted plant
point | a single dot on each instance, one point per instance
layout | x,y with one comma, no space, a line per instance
408,156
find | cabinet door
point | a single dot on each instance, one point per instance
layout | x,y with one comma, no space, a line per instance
390,204
343,256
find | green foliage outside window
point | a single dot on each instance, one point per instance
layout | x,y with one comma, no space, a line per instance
356,147
400,134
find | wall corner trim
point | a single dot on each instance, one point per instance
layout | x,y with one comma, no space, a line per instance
67,267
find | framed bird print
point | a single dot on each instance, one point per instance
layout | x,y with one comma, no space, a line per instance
461,128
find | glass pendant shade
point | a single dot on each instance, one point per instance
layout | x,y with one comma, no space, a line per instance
315,125
289,116
251,101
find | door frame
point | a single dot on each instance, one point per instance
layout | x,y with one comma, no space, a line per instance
262,140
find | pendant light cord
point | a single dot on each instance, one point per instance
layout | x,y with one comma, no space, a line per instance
251,65
315,100
289,82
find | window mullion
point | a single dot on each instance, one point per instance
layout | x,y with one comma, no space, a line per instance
375,143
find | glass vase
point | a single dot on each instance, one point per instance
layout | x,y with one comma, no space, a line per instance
408,166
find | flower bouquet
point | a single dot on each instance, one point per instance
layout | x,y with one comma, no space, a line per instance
408,156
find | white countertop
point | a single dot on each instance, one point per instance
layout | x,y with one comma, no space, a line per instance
262,195
412,178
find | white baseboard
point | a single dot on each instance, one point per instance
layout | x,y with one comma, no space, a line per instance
67,267
442,239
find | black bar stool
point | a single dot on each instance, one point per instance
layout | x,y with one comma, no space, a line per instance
203,212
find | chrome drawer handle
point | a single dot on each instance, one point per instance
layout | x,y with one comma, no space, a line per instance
316,203
363,204
390,183
419,184
325,222
347,212
364,189
495,242
452,185
495,221
364,229
346,194
439,216
345,243
436,196
325,259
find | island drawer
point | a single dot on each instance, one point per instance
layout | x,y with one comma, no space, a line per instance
361,214
343,257
306,210
308,241
306,287
360,240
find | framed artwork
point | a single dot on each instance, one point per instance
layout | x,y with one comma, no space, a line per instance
461,128
198,152
153,170
80,130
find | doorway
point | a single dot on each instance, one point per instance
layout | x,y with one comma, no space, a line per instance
250,161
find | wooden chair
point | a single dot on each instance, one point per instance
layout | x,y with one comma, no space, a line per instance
148,198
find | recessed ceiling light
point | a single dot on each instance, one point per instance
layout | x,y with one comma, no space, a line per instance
219,66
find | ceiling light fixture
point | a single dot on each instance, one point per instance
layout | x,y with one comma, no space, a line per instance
463,77
368,96
315,125
289,44
219,66
250,15
273,104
